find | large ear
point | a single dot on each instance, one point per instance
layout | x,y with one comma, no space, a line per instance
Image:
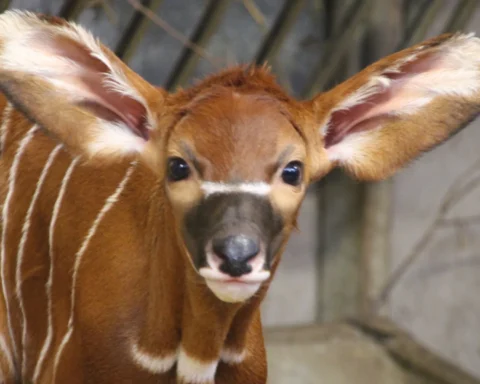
62,78
383,117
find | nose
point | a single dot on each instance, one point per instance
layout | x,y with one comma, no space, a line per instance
235,251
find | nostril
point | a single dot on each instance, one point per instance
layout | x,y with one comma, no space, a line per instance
236,249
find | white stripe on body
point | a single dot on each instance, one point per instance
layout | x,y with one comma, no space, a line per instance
111,200
6,205
5,352
6,117
21,250
53,221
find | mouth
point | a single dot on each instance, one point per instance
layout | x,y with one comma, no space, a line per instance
255,277
233,289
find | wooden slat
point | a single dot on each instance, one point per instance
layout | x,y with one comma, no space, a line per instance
340,196
133,34
206,28
71,9
275,37
4,4
331,61
421,23
461,16
384,32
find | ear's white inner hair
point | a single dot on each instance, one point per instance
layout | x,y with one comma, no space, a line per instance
257,188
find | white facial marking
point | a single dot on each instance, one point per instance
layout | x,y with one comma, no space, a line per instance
257,188
48,287
6,205
151,363
21,249
111,200
194,371
232,357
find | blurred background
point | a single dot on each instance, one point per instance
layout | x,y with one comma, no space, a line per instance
382,282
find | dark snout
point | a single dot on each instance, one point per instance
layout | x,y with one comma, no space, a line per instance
232,238
235,252
234,234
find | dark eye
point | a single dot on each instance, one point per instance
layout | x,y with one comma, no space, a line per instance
178,169
292,173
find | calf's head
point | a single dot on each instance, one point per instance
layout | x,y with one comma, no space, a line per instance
235,177
235,154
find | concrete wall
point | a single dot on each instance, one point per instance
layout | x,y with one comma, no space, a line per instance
437,299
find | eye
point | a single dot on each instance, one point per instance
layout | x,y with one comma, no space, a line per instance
178,169
292,173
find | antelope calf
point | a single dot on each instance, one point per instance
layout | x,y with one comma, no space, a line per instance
141,229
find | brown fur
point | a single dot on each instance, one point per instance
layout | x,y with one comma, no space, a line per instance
135,281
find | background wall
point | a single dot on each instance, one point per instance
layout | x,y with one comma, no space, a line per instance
353,237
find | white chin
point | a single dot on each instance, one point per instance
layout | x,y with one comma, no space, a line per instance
232,292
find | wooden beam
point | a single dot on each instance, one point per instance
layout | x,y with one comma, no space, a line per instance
384,32
71,9
4,4
207,26
339,196
135,30
420,25
461,16
275,37
335,50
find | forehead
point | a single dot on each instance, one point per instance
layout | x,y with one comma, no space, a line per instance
236,136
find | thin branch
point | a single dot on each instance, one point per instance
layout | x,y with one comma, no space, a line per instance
461,221
255,13
107,8
173,32
132,35
459,188
205,29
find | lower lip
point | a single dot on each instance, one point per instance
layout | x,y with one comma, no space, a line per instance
219,277
238,281
232,290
